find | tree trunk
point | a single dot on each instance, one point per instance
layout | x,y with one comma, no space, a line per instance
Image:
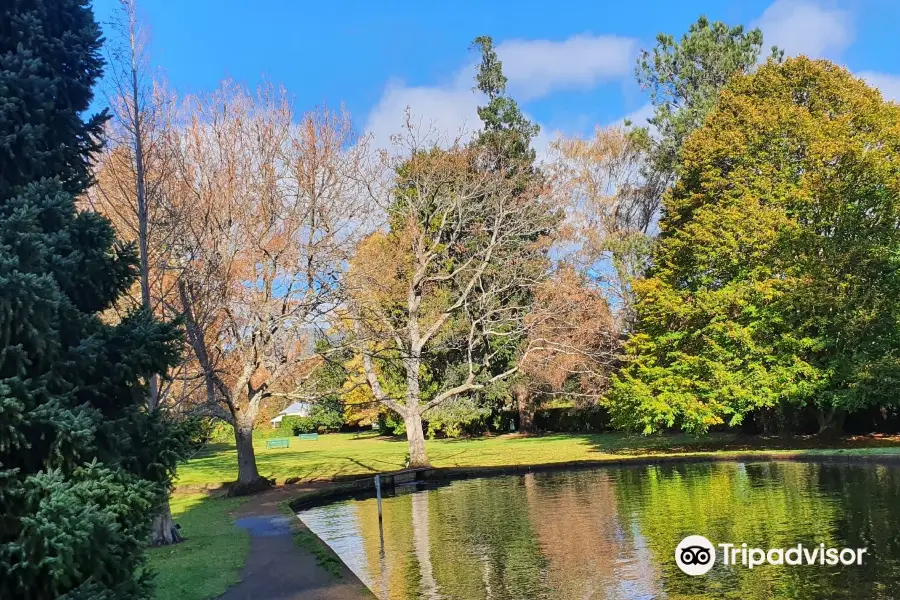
415,435
526,415
831,421
765,421
164,531
249,480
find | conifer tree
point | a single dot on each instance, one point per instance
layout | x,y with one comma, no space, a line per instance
82,463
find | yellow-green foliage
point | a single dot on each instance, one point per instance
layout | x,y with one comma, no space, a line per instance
777,272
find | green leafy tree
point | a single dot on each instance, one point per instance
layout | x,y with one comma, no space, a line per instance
776,276
83,465
684,80
615,181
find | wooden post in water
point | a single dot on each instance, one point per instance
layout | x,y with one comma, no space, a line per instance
380,526
378,494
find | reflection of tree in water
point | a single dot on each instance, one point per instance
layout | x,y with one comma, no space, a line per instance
485,541
770,505
428,585
869,517
575,515
396,575
611,533
470,540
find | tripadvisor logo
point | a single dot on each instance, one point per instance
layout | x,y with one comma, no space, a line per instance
696,555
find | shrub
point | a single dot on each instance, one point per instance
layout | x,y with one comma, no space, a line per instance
220,432
298,425
572,419
327,419
459,417
390,423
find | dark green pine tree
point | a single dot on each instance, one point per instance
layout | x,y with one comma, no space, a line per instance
82,464
506,140
507,133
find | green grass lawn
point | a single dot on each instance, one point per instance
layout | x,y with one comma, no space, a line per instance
212,556
342,454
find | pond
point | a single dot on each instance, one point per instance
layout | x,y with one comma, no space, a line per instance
612,533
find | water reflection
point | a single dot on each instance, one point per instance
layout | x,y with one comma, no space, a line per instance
611,533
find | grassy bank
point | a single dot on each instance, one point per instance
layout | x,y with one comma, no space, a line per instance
211,558
340,455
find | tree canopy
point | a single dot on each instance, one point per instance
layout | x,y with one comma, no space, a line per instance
776,275
684,78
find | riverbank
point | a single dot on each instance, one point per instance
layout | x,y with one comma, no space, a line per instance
249,548
216,553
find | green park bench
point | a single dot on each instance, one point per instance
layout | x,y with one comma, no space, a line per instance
308,436
279,443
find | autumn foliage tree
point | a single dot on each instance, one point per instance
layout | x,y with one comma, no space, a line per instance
572,346
457,293
133,174
445,278
776,277
611,211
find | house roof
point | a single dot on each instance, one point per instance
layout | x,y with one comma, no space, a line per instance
296,407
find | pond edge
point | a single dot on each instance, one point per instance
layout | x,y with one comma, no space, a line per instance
360,487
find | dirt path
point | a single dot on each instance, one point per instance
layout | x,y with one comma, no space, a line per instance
277,568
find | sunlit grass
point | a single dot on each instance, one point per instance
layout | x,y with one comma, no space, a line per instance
346,454
211,557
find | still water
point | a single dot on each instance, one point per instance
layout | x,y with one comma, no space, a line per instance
611,533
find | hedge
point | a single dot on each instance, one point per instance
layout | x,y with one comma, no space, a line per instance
557,419
297,425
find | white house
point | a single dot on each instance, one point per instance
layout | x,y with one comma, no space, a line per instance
297,409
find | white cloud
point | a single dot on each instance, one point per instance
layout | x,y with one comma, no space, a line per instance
537,67
448,112
888,84
639,117
806,27
534,68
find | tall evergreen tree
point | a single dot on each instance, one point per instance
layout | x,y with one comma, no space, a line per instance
82,463
505,143
507,132
684,79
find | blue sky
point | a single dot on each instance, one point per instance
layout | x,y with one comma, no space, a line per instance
570,62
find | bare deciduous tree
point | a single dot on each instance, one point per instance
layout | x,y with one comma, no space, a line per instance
612,209
272,210
131,175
